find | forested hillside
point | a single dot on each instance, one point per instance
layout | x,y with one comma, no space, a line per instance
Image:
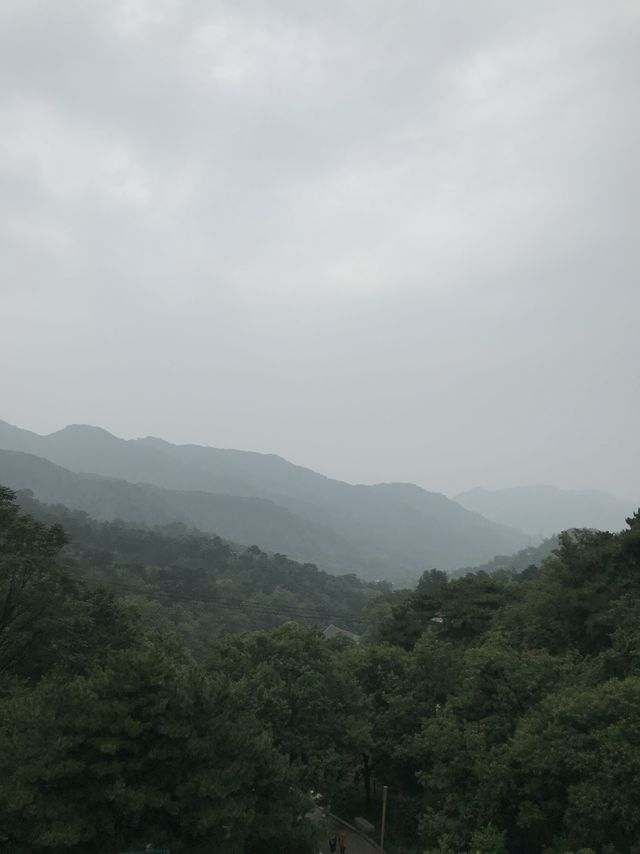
503,711
202,586
506,709
112,736
393,243
393,531
532,556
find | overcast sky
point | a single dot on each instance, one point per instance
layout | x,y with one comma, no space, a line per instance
386,240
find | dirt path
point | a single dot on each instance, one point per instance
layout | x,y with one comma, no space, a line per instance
356,844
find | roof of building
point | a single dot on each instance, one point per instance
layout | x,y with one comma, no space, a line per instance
332,631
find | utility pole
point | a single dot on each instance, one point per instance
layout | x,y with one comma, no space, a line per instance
385,789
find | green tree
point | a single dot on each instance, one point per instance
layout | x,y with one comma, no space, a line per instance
33,591
311,703
47,618
463,748
140,749
488,840
575,763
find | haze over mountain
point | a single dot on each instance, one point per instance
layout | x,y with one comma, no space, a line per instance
388,530
543,510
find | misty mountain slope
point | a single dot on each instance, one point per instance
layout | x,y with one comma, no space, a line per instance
391,528
243,520
543,510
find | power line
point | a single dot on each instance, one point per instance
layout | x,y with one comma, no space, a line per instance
264,609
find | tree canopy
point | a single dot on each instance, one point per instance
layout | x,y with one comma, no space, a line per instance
502,710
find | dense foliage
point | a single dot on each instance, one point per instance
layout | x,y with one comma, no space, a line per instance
111,735
503,711
506,709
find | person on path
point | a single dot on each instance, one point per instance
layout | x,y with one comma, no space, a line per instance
333,843
342,838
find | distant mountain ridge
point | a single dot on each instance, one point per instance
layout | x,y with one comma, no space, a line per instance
543,510
388,530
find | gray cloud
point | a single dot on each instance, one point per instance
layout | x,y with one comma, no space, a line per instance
388,241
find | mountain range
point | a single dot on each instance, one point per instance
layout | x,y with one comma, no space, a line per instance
393,531
543,510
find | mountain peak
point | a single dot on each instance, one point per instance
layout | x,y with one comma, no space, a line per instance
76,430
